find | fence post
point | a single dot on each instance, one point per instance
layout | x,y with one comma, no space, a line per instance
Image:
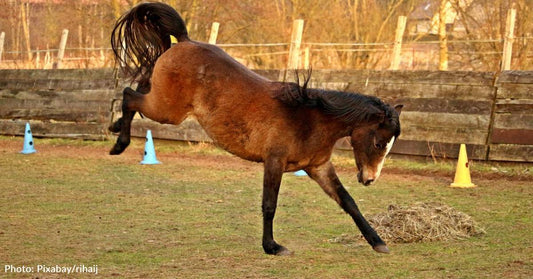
2,37
508,40
214,33
61,52
397,51
443,39
296,41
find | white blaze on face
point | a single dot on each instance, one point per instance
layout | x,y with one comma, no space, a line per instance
380,166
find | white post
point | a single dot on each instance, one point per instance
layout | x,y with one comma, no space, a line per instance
443,38
508,41
397,51
214,33
296,41
61,52
2,37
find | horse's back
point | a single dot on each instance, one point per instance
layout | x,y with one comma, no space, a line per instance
206,63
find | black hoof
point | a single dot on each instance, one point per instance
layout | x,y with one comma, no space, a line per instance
118,148
276,249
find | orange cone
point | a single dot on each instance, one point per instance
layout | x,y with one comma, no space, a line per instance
462,174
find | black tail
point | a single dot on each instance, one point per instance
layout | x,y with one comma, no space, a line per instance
143,34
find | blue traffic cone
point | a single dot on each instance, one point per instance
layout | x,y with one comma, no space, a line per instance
28,141
300,173
149,151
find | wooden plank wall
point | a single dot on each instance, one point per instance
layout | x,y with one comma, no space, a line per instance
57,103
492,114
512,132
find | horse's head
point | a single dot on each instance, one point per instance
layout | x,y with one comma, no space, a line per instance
372,143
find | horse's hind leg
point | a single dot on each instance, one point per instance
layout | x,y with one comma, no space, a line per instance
130,103
326,177
142,87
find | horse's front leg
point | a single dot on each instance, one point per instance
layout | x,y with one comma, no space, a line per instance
326,177
130,103
271,183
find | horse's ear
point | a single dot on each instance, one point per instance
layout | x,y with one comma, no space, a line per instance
398,109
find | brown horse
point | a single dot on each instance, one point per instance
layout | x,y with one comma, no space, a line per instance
286,126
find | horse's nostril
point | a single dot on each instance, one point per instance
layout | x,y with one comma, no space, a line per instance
368,182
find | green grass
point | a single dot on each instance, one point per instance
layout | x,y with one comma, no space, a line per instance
197,215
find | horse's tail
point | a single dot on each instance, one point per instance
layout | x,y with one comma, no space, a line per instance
143,34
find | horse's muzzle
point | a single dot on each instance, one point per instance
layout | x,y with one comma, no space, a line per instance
364,180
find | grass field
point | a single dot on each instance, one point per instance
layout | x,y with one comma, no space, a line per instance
198,215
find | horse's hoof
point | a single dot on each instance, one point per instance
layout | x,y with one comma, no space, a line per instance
116,150
381,248
277,250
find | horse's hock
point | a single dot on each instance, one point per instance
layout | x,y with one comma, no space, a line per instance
491,113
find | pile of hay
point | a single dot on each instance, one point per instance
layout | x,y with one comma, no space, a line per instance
424,222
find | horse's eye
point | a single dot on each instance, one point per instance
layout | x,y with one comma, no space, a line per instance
377,144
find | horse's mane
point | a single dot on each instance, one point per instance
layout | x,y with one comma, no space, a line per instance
348,107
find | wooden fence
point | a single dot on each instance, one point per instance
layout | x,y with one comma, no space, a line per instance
57,103
492,113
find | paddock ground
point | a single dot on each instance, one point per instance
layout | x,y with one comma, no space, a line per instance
197,215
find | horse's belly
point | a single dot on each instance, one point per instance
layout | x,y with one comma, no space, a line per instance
234,136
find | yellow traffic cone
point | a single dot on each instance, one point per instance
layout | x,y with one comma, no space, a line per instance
462,174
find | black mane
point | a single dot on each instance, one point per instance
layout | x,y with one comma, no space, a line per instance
348,107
